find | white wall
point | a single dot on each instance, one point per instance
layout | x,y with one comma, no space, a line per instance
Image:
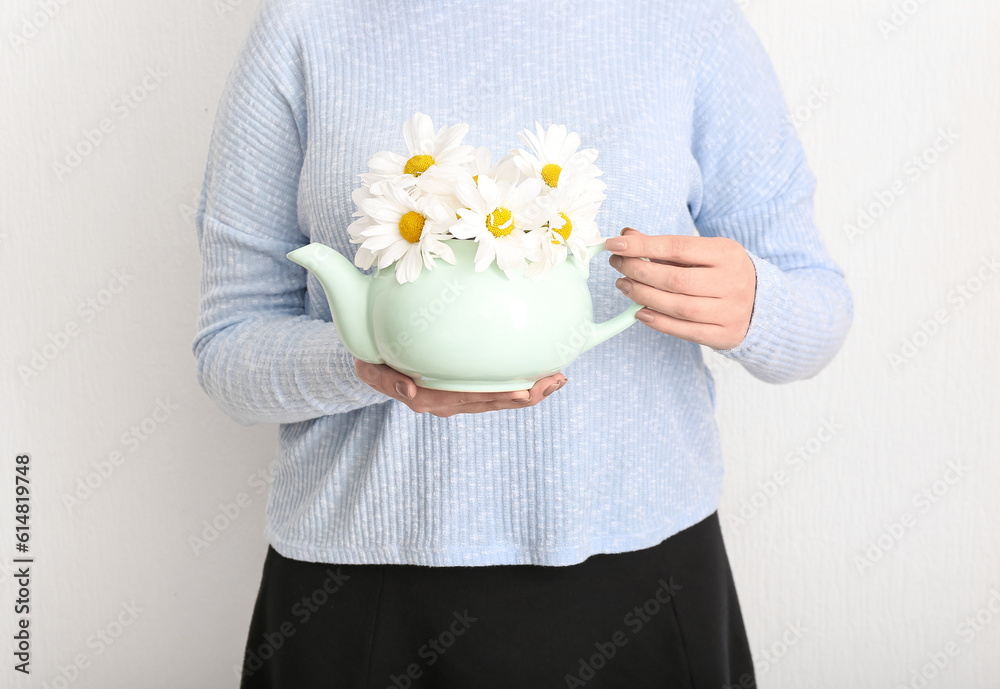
816,613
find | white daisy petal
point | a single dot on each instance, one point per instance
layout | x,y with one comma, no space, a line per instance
446,253
386,162
393,252
452,136
527,191
364,258
408,267
380,242
490,193
455,207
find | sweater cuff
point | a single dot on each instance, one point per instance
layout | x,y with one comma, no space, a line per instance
771,303
341,375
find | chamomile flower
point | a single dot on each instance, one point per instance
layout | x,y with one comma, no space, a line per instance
397,227
498,214
555,159
527,212
570,226
505,168
433,163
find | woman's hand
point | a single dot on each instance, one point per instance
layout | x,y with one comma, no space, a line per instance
443,403
696,288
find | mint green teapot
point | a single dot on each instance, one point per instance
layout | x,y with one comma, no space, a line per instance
457,329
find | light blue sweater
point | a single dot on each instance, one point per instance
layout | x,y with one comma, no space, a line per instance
681,101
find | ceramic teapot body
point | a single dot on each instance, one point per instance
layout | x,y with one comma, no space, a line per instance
457,329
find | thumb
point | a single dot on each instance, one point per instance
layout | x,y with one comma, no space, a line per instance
391,382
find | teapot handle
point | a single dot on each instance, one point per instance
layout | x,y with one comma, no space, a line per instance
611,327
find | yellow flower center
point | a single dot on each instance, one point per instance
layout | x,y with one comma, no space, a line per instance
410,226
550,174
500,222
566,228
417,165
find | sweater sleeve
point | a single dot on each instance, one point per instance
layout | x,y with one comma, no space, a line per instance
757,189
259,356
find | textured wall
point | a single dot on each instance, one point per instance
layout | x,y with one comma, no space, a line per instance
860,507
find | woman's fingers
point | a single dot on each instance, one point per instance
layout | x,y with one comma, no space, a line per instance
539,391
391,382
710,310
693,265
693,281
704,333
376,376
399,386
715,336
700,289
386,380
690,250
705,320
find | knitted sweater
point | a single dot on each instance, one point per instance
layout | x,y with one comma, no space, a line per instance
680,100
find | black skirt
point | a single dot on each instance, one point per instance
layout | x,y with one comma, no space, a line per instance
664,617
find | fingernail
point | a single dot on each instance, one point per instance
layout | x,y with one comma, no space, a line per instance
616,261
523,397
549,390
615,244
404,390
624,284
644,316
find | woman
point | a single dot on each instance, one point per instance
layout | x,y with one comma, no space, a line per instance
423,538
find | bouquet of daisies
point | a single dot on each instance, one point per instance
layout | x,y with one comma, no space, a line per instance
526,212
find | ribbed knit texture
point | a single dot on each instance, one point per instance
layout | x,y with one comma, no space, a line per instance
680,100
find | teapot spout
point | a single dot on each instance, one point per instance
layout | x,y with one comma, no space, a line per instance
346,290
